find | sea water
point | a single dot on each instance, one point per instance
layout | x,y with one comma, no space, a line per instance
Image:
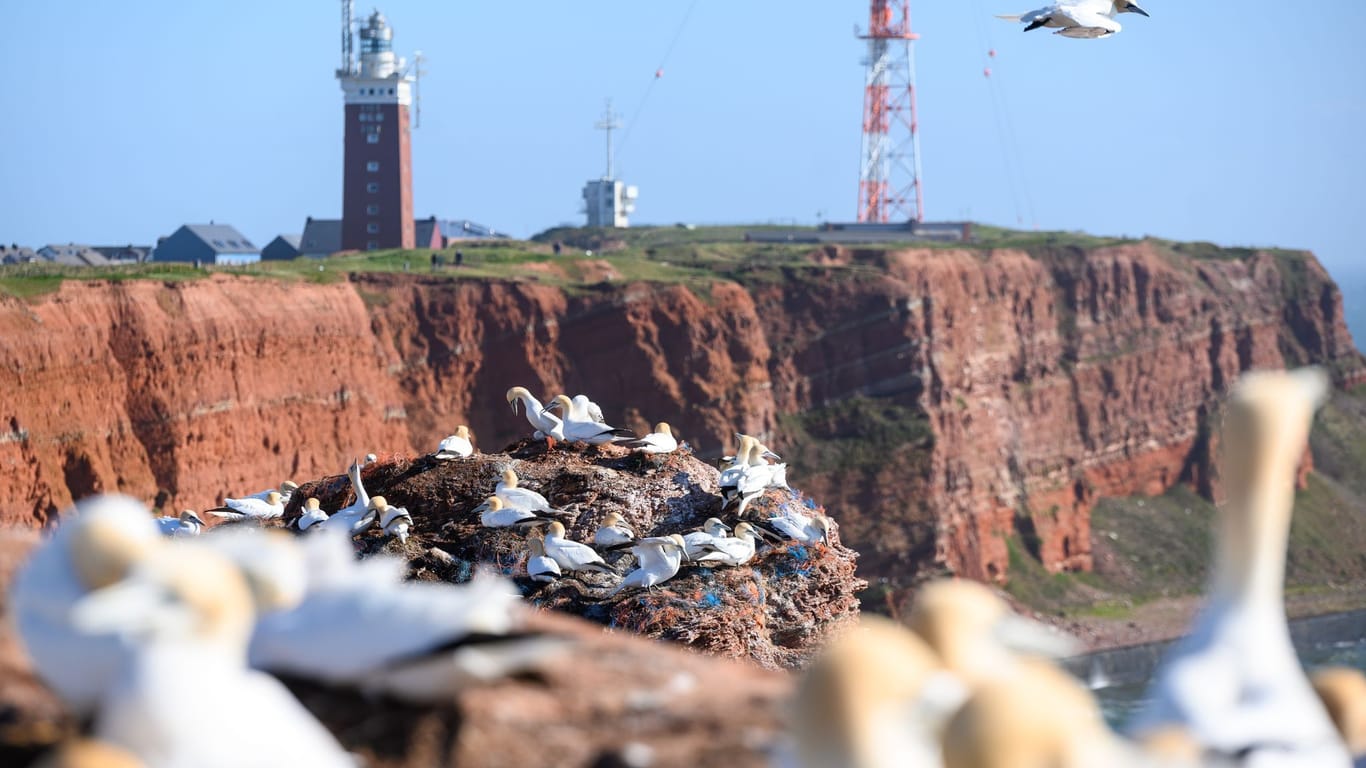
1120,702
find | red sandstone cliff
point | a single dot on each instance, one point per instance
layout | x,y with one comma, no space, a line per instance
935,400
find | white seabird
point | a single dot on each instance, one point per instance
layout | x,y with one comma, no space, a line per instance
493,513
395,522
579,425
589,408
514,496
360,515
272,506
661,440
799,527
1234,681
548,426
311,515
734,550
187,524
614,532
1343,693
571,555
286,490
187,613
693,541
539,566
94,546
1079,18
750,475
876,698
359,623
457,446
658,559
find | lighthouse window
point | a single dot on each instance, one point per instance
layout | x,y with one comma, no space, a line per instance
372,210
372,166
372,228
372,138
372,186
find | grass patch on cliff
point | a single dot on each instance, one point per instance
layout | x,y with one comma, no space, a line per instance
854,434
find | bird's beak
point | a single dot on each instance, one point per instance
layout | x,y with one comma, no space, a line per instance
1133,8
549,408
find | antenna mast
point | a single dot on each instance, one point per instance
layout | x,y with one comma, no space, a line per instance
348,66
889,175
608,123
418,72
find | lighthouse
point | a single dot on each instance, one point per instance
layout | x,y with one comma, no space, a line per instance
377,171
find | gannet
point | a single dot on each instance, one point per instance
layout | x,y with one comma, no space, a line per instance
735,550
359,623
312,514
187,613
286,490
395,522
1021,710
613,532
1234,681
90,753
799,527
659,441
875,698
658,559
750,475
494,514
457,446
94,545
271,506
539,566
548,426
360,515
693,541
514,496
572,555
579,425
1343,693
763,452
589,408
187,524
1079,18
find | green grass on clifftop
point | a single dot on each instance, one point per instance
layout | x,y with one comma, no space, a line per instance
678,255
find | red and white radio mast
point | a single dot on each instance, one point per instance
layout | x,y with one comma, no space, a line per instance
889,178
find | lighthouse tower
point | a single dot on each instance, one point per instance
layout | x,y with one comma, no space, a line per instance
377,182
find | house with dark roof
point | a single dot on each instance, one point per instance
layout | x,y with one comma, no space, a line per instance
125,254
17,254
73,255
207,244
282,248
321,237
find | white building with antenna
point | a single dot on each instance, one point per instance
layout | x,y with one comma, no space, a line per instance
608,201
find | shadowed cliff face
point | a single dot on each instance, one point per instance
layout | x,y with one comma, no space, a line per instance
937,402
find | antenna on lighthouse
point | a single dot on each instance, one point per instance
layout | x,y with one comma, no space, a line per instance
889,174
348,59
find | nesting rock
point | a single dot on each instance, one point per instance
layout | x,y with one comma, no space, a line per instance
777,611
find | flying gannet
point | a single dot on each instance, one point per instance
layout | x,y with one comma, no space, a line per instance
1079,18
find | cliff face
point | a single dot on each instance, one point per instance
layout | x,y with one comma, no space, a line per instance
937,402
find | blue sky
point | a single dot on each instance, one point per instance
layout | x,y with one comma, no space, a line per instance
129,119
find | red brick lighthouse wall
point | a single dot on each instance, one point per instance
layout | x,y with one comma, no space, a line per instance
377,183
